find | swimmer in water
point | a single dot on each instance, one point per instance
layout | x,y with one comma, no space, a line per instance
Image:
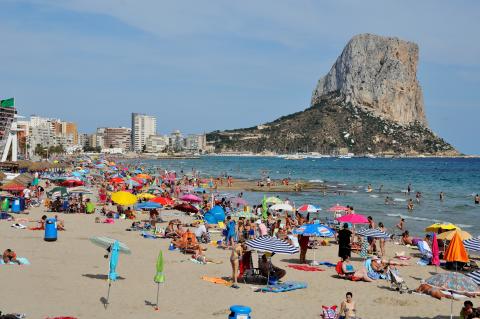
410,205
441,196
477,199
369,188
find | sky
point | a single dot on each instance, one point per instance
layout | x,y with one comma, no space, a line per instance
200,66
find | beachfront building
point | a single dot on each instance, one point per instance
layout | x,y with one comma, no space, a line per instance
143,126
117,137
196,142
176,142
156,143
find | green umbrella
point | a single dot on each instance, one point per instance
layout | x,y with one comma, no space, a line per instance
159,276
58,191
264,208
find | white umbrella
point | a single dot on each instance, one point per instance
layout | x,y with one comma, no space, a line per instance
284,207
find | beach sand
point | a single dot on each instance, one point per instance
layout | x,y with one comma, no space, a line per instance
67,278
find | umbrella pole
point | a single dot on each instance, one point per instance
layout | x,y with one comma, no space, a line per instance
158,290
108,293
451,306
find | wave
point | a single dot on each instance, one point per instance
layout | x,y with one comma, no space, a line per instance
427,219
399,200
374,196
315,181
349,191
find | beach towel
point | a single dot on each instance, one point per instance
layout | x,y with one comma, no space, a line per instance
326,263
305,268
148,235
218,281
372,273
22,260
283,287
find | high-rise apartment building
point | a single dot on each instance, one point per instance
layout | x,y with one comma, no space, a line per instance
117,137
142,127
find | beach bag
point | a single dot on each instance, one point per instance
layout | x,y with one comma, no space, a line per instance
329,312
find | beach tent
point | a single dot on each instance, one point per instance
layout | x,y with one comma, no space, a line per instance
456,251
215,215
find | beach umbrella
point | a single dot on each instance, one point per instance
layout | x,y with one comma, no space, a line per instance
143,176
116,180
163,201
353,219
112,274
318,230
435,252
186,208
199,190
472,244
273,200
107,242
374,233
145,196
284,207
80,190
448,235
124,198
149,205
191,198
437,226
454,282
159,276
133,183
271,245
338,208
239,201
58,191
455,250
475,276
307,208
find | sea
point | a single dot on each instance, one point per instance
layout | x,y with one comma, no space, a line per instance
347,179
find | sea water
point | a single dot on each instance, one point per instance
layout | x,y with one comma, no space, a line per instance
347,181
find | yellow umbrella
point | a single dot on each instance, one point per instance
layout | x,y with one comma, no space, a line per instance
124,198
274,200
435,227
449,234
146,196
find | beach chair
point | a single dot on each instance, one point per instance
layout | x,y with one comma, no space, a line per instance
248,272
397,282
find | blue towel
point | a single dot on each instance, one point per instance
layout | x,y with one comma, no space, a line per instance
326,263
148,235
286,286
22,260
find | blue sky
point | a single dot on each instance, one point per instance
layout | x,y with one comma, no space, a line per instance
201,66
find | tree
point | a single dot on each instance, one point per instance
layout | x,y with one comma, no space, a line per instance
39,150
144,148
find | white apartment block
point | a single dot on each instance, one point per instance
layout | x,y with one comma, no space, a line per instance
143,126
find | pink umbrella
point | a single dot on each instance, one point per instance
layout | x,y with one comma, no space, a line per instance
338,208
239,201
353,219
435,251
191,198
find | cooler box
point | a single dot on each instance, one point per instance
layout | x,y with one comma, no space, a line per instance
239,312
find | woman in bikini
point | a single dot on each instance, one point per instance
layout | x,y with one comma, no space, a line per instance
235,257
351,273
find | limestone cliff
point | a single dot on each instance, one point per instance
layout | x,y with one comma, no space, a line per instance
379,74
369,102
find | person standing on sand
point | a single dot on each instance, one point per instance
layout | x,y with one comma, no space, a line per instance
344,237
235,257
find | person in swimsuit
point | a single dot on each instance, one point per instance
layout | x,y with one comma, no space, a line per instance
352,274
347,307
477,199
9,256
235,257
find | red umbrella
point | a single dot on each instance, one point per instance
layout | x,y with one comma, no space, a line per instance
186,208
13,187
117,180
163,201
71,183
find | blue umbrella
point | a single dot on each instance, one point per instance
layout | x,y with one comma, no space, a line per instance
199,190
318,230
112,274
149,205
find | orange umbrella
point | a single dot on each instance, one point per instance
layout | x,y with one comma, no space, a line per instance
163,201
144,176
456,251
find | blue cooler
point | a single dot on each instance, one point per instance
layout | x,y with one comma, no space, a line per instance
50,229
239,312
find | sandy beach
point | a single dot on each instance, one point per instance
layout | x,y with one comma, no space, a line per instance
68,278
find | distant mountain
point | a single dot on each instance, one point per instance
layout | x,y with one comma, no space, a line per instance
369,102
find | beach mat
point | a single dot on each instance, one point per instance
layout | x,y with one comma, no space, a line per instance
326,263
305,268
22,260
283,287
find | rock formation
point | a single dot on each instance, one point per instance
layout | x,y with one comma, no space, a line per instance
379,74
369,102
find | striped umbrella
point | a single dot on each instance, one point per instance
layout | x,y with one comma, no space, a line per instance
374,233
271,245
472,244
475,276
307,208
314,230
